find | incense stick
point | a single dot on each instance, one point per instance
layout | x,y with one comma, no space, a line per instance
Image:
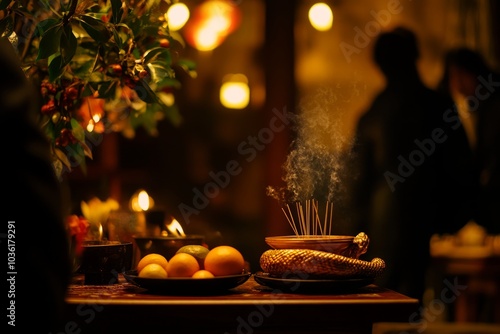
308,221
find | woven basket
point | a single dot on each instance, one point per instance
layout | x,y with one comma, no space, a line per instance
318,264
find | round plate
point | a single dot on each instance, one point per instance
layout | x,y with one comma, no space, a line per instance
323,286
188,286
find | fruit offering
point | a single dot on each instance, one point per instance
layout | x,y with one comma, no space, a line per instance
198,251
153,266
224,260
193,261
182,265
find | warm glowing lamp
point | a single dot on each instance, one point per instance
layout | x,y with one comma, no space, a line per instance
234,92
177,16
321,16
206,39
141,201
212,22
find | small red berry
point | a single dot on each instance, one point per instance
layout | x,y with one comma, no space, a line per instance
116,69
164,43
71,93
48,108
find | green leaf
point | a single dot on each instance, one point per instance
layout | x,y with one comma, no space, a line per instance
117,11
187,65
87,90
117,38
86,150
159,71
107,89
146,120
79,133
169,82
82,66
63,158
45,25
95,28
49,44
157,54
77,130
145,92
76,154
56,68
68,44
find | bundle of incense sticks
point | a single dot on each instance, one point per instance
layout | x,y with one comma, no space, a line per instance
309,217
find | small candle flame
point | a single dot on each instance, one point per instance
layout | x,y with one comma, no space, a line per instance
100,232
175,228
143,200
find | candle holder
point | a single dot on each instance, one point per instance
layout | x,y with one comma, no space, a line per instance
103,261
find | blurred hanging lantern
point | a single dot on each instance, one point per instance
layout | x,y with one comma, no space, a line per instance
321,16
211,23
177,16
234,92
141,201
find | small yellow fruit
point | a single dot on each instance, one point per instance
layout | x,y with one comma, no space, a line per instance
224,260
153,270
152,258
203,274
198,251
182,265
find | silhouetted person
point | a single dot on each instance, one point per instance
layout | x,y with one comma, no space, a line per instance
34,203
468,74
411,167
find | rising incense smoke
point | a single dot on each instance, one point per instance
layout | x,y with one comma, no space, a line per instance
316,162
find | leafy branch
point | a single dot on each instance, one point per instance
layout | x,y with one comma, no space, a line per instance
101,66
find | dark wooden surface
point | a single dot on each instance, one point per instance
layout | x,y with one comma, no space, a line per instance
248,308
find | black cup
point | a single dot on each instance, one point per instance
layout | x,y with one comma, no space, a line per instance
102,261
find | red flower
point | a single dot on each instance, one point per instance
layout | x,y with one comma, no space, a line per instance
78,228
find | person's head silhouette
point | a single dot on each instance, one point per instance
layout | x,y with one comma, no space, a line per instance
396,51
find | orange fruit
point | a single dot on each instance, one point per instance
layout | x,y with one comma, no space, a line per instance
152,258
198,251
182,265
224,260
202,273
153,270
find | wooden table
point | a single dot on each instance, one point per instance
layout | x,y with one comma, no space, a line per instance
248,308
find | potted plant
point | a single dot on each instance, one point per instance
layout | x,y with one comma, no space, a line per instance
101,66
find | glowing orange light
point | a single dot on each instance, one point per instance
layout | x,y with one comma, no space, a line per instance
211,23
177,16
321,16
91,112
141,201
234,92
175,228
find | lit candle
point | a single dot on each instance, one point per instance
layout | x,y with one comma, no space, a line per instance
140,203
175,228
